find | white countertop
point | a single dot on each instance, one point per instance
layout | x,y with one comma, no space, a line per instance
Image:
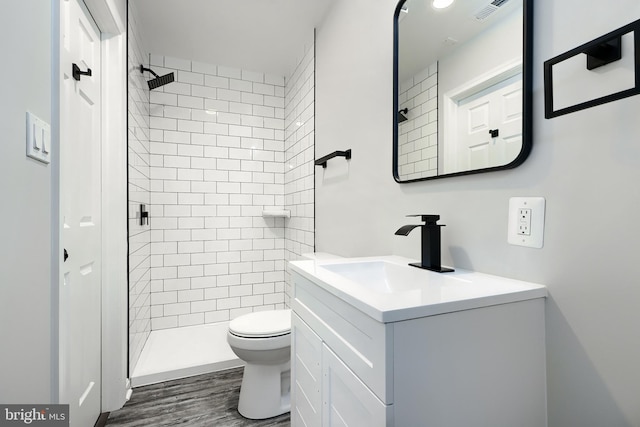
403,292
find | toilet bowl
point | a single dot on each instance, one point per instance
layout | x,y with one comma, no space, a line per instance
263,341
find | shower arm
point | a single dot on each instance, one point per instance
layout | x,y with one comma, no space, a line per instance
143,69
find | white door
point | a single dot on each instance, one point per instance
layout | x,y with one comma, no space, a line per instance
80,193
496,108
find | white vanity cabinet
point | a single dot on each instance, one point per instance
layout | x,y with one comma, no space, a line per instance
483,366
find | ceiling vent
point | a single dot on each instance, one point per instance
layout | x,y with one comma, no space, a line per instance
489,9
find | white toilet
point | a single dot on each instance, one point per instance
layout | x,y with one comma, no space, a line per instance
263,341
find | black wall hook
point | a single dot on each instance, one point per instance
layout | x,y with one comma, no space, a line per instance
75,70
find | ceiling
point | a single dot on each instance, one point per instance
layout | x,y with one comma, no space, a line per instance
257,35
426,34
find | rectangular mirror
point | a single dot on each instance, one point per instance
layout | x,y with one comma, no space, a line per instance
462,87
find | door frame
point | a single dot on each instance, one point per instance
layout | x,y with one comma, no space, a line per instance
450,107
110,16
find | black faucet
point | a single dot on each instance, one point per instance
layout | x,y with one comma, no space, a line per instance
430,243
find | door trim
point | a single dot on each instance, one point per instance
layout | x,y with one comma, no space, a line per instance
114,208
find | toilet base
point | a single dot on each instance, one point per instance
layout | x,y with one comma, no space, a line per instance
265,391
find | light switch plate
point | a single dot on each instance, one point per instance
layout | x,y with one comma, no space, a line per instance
38,138
526,221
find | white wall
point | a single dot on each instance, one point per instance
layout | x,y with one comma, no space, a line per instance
586,165
25,234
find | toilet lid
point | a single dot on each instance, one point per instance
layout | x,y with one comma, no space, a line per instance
262,324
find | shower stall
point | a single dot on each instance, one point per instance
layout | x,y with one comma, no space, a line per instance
221,181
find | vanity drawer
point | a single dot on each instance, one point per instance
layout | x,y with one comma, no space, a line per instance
364,344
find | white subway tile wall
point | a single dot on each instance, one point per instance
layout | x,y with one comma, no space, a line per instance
219,141
418,135
139,193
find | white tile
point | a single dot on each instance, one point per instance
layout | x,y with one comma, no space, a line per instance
228,303
191,150
204,92
240,85
264,89
216,270
176,137
191,295
203,306
203,258
242,290
190,77
164,297
240,153
216,175
193,222
240,108
190,319
178,88
250,301
216,82
164,323
201,67
176,284
216,246
252,98
163,123
230,95
205,283
162,98
177,308
190,101
253,76
229,72
218,105
203,163
163,148
190,271
241,131
203,187
229,118
216,129
190,126
190,247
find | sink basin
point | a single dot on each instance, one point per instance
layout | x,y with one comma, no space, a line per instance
389,290
380,276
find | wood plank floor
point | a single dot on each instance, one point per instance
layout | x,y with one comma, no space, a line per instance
209,400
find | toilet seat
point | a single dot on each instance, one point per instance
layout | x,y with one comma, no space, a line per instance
262,324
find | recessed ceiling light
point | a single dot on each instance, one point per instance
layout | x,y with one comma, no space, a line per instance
441,4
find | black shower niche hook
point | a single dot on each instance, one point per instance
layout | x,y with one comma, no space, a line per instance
75,70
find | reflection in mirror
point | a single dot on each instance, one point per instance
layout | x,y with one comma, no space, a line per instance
458,94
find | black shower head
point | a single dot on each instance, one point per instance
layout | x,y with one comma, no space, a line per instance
401,115
159,80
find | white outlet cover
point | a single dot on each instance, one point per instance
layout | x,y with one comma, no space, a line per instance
537,206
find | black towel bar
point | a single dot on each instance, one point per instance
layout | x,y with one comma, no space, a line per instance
323,160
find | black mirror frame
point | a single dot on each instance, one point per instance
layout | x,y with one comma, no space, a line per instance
527,89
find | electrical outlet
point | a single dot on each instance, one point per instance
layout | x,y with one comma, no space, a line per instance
526,221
